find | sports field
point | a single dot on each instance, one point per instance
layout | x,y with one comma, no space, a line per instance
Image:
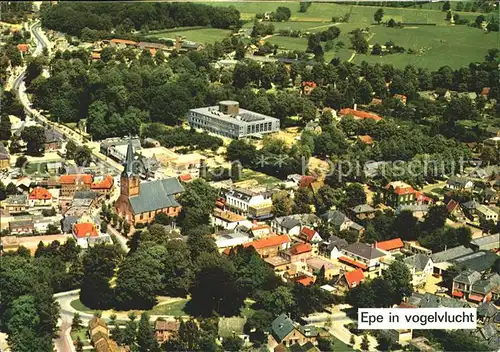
198,35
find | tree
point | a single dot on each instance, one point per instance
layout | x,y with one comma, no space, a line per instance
71,150
178,270
281,14
34,136
352,341
379,14
78,344
240,150
365,344
326,344
377,49
232,343
214,288
399,278
77,321
5,128
197,199
435,218
359,42
355,195
83,156
145,335
11,189
257,324
282,204
302,201
130,331
446,6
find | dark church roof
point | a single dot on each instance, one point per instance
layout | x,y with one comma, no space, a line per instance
156,195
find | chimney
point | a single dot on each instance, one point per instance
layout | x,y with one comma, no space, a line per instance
355,106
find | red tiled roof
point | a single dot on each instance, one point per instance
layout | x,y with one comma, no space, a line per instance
301,248
451,206
354,277
106,183
70,179
376,101
185,177
23,47
307,233
366,139
401,190
360,114
485,91
85,229
476,298
309,84
269,242
123,41
353,262
457,294
152,51
40,193
305,181
305,281
422,198
390,244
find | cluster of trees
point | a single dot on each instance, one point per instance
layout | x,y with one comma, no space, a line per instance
73,18
431,233
390,48
29,312
15,12
117,100
359,42
178,136
34,137
384,291
281,14
82,155
314,41
260,29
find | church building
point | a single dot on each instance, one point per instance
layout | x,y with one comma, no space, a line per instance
139,202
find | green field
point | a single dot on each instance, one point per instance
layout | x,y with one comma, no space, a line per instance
78,305
175,308
455,46
202,35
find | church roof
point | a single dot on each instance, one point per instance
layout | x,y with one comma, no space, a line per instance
130,166
158,194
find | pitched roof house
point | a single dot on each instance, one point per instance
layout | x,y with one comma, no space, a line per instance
394,245
333,247
309,235
361,255
354,278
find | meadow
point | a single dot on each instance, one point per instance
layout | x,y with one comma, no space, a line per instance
198,35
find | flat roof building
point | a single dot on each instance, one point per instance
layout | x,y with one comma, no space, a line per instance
228,120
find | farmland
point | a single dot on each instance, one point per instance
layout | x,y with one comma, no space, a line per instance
434,45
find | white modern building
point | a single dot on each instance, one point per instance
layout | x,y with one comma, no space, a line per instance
228,120
240,201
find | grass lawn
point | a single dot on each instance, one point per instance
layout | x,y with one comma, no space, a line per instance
203,35
341,346
78,305
82,333
175,308
289,43
32,168
261,178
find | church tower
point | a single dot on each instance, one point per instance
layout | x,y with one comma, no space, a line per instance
129,179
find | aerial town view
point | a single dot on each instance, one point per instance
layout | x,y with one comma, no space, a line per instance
249,176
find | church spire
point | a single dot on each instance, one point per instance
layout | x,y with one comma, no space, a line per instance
128,166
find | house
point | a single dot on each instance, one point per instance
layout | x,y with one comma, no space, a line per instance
227,220
103,185
308,87
442,260
286,225
363,211
98,325
67,223
459,183
402,98
15,204
271,246
421,267
359,115
486,214
287,332
354,278
40,196
340,221
309,235
490,196
99,336
486,312
164,329
333,247
398,193
72,183
481,261
429,300
469,209
299,252
53,139
83,231
486,242
462,283
361,255
315,264
240,201
86,200
392,246
455,211
474,287
4,157
23,226
232,326
232,238
139,202
23,48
